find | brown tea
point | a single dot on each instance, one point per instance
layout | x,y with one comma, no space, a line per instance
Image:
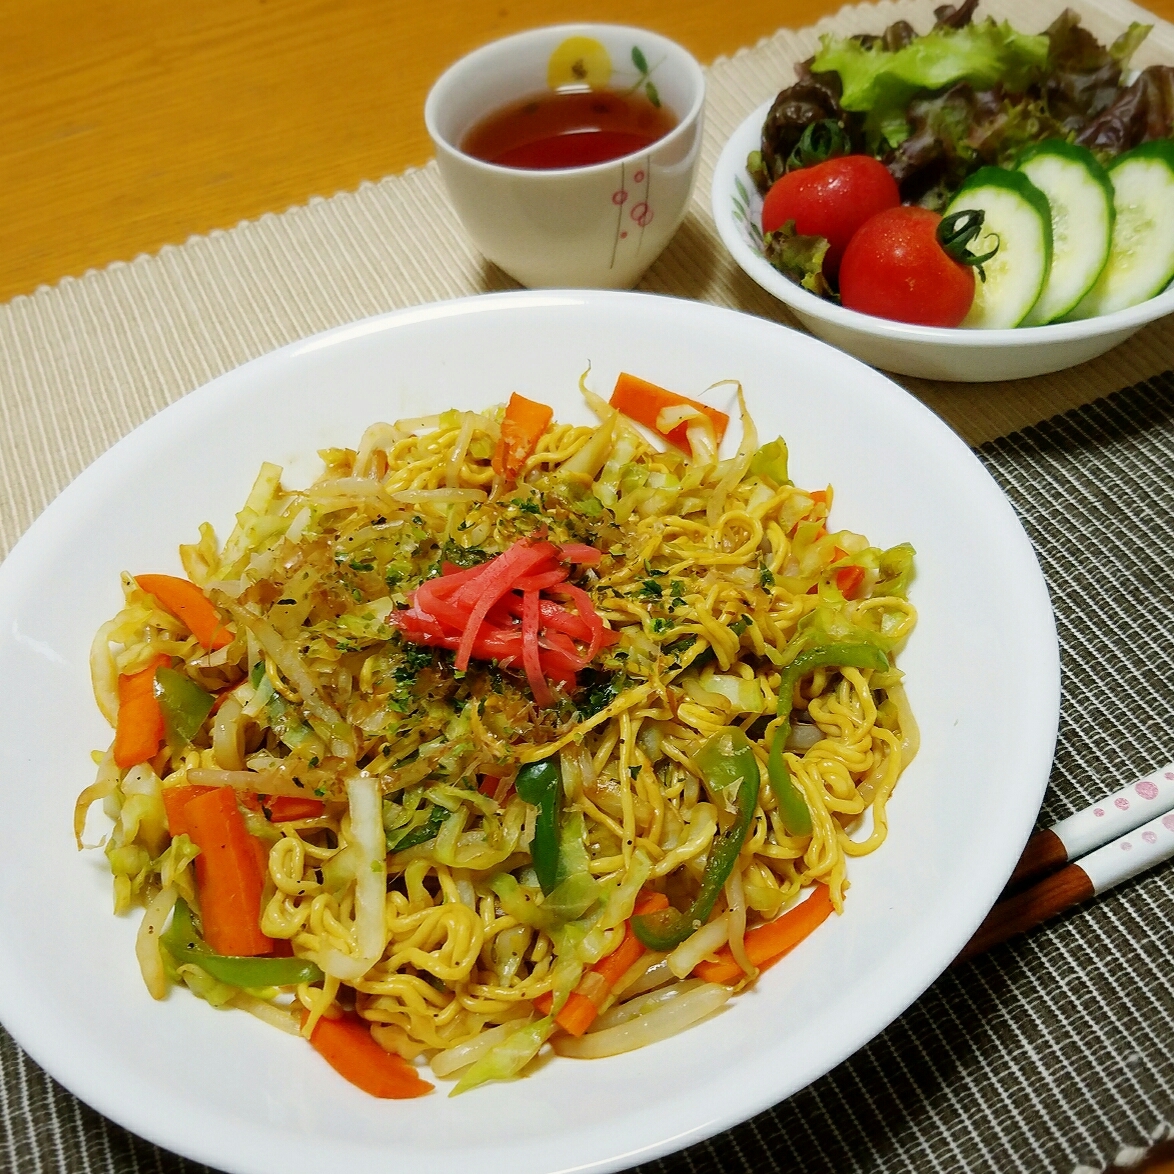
568,128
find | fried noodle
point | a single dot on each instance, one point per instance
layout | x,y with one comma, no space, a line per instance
714,574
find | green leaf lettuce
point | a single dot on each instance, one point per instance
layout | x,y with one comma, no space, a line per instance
880,82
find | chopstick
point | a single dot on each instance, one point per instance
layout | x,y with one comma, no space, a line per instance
1097,824
1138,845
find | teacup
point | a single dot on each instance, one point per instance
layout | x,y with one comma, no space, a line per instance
600,225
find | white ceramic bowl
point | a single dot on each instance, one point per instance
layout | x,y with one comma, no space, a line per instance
598,226
931,352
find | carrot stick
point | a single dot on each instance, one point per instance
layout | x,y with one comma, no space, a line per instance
649,901
228,874
616,964
189,605
175,799
580,1011
139,731
631,949
621,959
766,944
346,1045
283,808
643,402
848,580
261,856
522,427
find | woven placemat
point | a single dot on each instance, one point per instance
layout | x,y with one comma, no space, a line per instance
1050,1052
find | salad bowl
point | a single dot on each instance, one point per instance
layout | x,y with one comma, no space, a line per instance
929,352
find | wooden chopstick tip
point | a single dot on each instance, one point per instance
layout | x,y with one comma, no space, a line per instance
1044,853
1049,897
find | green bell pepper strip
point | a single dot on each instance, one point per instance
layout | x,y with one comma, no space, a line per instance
539,784
792,806
726,759
185,945
428,830
184,704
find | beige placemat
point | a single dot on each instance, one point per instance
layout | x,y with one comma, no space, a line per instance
84,362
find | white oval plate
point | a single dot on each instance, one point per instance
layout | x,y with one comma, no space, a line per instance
222,1088
930,352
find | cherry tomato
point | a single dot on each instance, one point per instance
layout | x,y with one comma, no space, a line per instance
894,267
831,199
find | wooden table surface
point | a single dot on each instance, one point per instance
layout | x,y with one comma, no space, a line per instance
130,124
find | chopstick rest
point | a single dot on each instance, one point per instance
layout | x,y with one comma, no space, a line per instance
1114,815
1096,873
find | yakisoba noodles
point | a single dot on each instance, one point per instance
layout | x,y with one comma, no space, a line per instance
476,744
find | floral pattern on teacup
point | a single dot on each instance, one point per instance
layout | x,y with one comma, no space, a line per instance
579,61
637,217
645,78
584,61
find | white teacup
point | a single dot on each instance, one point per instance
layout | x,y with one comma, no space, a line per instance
600,225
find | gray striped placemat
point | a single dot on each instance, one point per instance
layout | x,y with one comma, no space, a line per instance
1051,1052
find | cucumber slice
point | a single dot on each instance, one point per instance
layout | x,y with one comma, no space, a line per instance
1080,194
1017,214
1141,256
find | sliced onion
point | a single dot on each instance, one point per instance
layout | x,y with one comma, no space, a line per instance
707,940
667,1020
102,787
735,468
439,496
454,1059
147,942
280,1017
655,974
104,673
369,841
623,1012
736,900
378,436
259,782
452,471
228,736
803,736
